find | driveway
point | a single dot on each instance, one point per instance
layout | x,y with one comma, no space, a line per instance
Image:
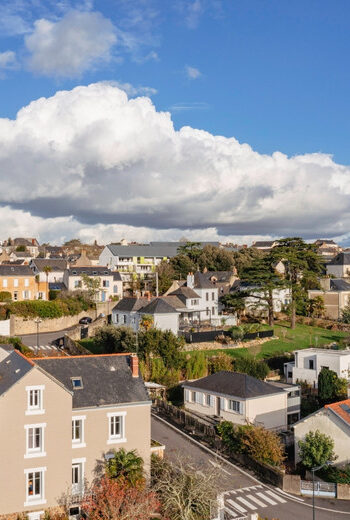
241,491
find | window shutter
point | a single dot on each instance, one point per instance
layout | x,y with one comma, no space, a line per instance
212,400
187,397
222,403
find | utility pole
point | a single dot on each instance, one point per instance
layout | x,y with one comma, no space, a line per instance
157,286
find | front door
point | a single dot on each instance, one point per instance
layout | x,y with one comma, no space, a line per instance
218,406
76,479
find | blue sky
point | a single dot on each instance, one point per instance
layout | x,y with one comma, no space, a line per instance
270,73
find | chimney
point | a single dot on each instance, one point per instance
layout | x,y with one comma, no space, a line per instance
190,280
33,241
325,284
205,270
134,365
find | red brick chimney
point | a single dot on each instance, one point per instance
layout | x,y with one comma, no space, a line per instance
134,365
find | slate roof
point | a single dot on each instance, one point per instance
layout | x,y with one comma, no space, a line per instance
341,259
106,379
201,281
158,306
117,276
22,254
90,270
175,301
262,243
56,264
221,276
339,285
234,384
131,304
15,270
12,369
187,292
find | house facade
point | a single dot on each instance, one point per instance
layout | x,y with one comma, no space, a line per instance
339,266
129,312
332,420
57,268
309,362
61,416
110,282
335,293
241,399
20,281
253,304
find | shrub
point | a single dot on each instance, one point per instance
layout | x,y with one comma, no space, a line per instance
66,305
110,339
219,362
249,365
5,296
196,366
316,449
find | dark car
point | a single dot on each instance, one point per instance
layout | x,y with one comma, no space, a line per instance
85,320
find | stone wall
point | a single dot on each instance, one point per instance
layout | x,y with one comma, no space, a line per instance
291,484
343,491
20,325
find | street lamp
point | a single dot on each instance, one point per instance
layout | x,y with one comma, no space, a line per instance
316,468
37,321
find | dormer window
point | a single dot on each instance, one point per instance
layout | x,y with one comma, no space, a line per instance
74,272
77,383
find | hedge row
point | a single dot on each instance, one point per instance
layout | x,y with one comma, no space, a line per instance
47,309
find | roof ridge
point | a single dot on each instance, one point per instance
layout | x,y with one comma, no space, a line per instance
330,405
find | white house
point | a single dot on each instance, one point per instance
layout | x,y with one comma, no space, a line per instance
309,362
281,297
110,282
339,266
242,399
129,311
332,420
57,266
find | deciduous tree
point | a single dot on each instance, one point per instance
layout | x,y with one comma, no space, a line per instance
316,449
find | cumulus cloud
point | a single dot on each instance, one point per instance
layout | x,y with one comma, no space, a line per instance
192,72
75,43
8,60
97,158
133,91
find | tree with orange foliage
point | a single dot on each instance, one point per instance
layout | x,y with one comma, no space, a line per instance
109,499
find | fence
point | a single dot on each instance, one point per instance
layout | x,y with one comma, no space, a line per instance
204,430
321,489
211,335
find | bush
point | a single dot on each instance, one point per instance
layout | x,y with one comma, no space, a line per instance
196,366
16,342
65,305
5,296
316,449
219,362
110,339
249,365
340,475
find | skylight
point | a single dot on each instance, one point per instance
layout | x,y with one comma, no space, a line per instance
77,382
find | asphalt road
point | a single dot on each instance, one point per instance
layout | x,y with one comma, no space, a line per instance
45,338
242,492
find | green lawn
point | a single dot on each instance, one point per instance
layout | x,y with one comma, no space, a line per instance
303,336
89,344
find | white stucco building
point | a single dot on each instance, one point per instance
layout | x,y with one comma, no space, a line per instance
309,362
110,282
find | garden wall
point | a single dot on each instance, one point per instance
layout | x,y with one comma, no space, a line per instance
20,325
5,327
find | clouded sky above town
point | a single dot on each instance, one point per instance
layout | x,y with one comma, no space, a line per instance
156,119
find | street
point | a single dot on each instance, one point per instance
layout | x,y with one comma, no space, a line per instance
242,492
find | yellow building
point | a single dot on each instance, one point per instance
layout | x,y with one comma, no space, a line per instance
20,281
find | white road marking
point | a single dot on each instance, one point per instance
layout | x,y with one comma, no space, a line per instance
290,496
251,497
31,348
246,503
230,512
236,506
276,497
267,499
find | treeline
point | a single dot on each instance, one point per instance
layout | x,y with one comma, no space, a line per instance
162,359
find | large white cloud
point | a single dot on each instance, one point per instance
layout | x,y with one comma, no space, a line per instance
71,45
94,156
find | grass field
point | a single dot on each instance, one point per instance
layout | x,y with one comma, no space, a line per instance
303,336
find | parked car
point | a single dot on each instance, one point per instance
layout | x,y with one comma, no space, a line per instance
85,320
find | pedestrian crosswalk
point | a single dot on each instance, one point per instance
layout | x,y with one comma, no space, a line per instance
47,348
239,502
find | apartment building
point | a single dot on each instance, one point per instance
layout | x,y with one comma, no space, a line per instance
20,281
242,399
110,282
60,418
309,362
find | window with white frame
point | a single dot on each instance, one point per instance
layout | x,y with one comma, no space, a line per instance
234,406
116,427
35,440
105,283
193,397
35,400
35,486
26,295
213,296
199,398
26,282
78,431
4,282
207,399
78,476
15,282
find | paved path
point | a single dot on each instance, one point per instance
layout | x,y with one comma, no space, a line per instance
241,491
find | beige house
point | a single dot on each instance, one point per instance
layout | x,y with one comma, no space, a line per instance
111,284
60,417
334,421
335,293
242,399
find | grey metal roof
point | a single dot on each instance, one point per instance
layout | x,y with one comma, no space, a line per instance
341,259
234,384
160,251
158,306
15,270
12,369
106,379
